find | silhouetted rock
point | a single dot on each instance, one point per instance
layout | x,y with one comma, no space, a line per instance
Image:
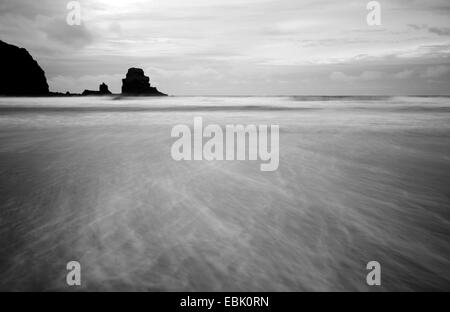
103,90
136,83
20,74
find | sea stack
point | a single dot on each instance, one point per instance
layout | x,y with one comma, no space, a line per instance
102,90
20,74
136,83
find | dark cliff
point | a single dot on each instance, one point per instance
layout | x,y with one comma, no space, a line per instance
20,73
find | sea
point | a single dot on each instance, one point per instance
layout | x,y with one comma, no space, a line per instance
92,180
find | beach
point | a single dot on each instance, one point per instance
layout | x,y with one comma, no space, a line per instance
91,179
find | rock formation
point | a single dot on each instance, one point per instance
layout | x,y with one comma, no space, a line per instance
20,74
136,83
102,90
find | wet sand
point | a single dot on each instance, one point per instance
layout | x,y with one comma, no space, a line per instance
92,180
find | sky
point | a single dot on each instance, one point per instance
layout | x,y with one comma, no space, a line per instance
238,47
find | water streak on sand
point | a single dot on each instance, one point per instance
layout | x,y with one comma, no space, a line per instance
92,180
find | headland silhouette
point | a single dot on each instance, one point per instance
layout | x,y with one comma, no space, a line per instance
22,76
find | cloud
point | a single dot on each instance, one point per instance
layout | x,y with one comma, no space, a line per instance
188,73
204,46
339,76
364,76
371,75
440,31
444,31
404,74
436,71
59,31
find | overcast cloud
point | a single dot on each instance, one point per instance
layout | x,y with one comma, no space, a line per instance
239,47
